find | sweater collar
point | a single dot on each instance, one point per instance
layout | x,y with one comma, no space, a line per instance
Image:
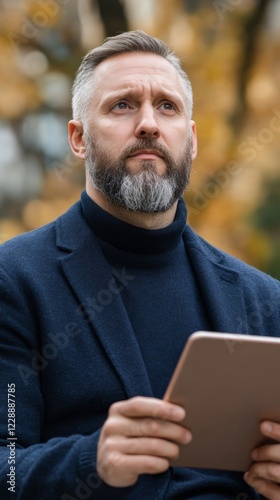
130,238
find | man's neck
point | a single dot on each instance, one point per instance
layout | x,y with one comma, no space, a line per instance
157,220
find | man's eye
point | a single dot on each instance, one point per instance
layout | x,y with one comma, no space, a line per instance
168,106
121,105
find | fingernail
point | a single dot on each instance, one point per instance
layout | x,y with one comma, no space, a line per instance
187,437
179,412
267,427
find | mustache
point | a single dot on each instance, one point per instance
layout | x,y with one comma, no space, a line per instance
146,143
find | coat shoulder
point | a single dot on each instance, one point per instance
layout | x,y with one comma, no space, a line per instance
39,244
249,274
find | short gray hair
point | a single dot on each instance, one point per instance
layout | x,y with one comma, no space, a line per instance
131,41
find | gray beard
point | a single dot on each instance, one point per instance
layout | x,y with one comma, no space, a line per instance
144,191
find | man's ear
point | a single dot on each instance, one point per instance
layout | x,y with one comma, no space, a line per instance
194,139
76,139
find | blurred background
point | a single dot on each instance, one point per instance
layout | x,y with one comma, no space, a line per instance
231,52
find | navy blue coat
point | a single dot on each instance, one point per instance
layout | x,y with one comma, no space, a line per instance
66,344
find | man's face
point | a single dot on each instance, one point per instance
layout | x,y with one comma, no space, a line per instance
139,140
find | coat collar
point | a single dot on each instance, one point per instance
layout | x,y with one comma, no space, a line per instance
219,282
98,289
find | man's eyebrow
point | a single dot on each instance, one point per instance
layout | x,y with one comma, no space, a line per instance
118,95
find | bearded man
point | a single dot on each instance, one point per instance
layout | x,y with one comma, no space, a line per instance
96,307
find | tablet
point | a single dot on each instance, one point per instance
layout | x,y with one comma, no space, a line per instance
228,384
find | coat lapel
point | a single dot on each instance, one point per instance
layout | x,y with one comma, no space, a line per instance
98,289
219,284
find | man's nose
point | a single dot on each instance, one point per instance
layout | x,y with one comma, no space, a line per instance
147,125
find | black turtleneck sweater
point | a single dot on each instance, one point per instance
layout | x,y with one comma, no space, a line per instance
163,301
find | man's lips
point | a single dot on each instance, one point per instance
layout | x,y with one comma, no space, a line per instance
146,153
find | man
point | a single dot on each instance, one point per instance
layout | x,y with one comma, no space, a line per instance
97,306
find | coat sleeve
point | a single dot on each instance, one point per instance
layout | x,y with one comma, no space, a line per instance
62,468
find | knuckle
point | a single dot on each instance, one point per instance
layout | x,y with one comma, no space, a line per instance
105,469
109,446
108,466
116,459
136,404
114,408
273,471
160,412
132,430
110,427
153,445
158,465
149,426
134,446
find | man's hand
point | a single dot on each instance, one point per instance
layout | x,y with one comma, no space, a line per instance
264,474
140,436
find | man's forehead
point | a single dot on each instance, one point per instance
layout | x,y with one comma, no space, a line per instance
131,62
139,68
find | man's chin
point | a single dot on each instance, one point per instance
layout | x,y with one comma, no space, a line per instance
137,165
145,207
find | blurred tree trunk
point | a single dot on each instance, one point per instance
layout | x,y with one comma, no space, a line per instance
113,16
250,32
166,10
251,29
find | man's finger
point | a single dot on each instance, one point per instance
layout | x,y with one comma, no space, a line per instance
148,407
267,452
271,429
266,470
142,446
268,489
131,466
145,427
